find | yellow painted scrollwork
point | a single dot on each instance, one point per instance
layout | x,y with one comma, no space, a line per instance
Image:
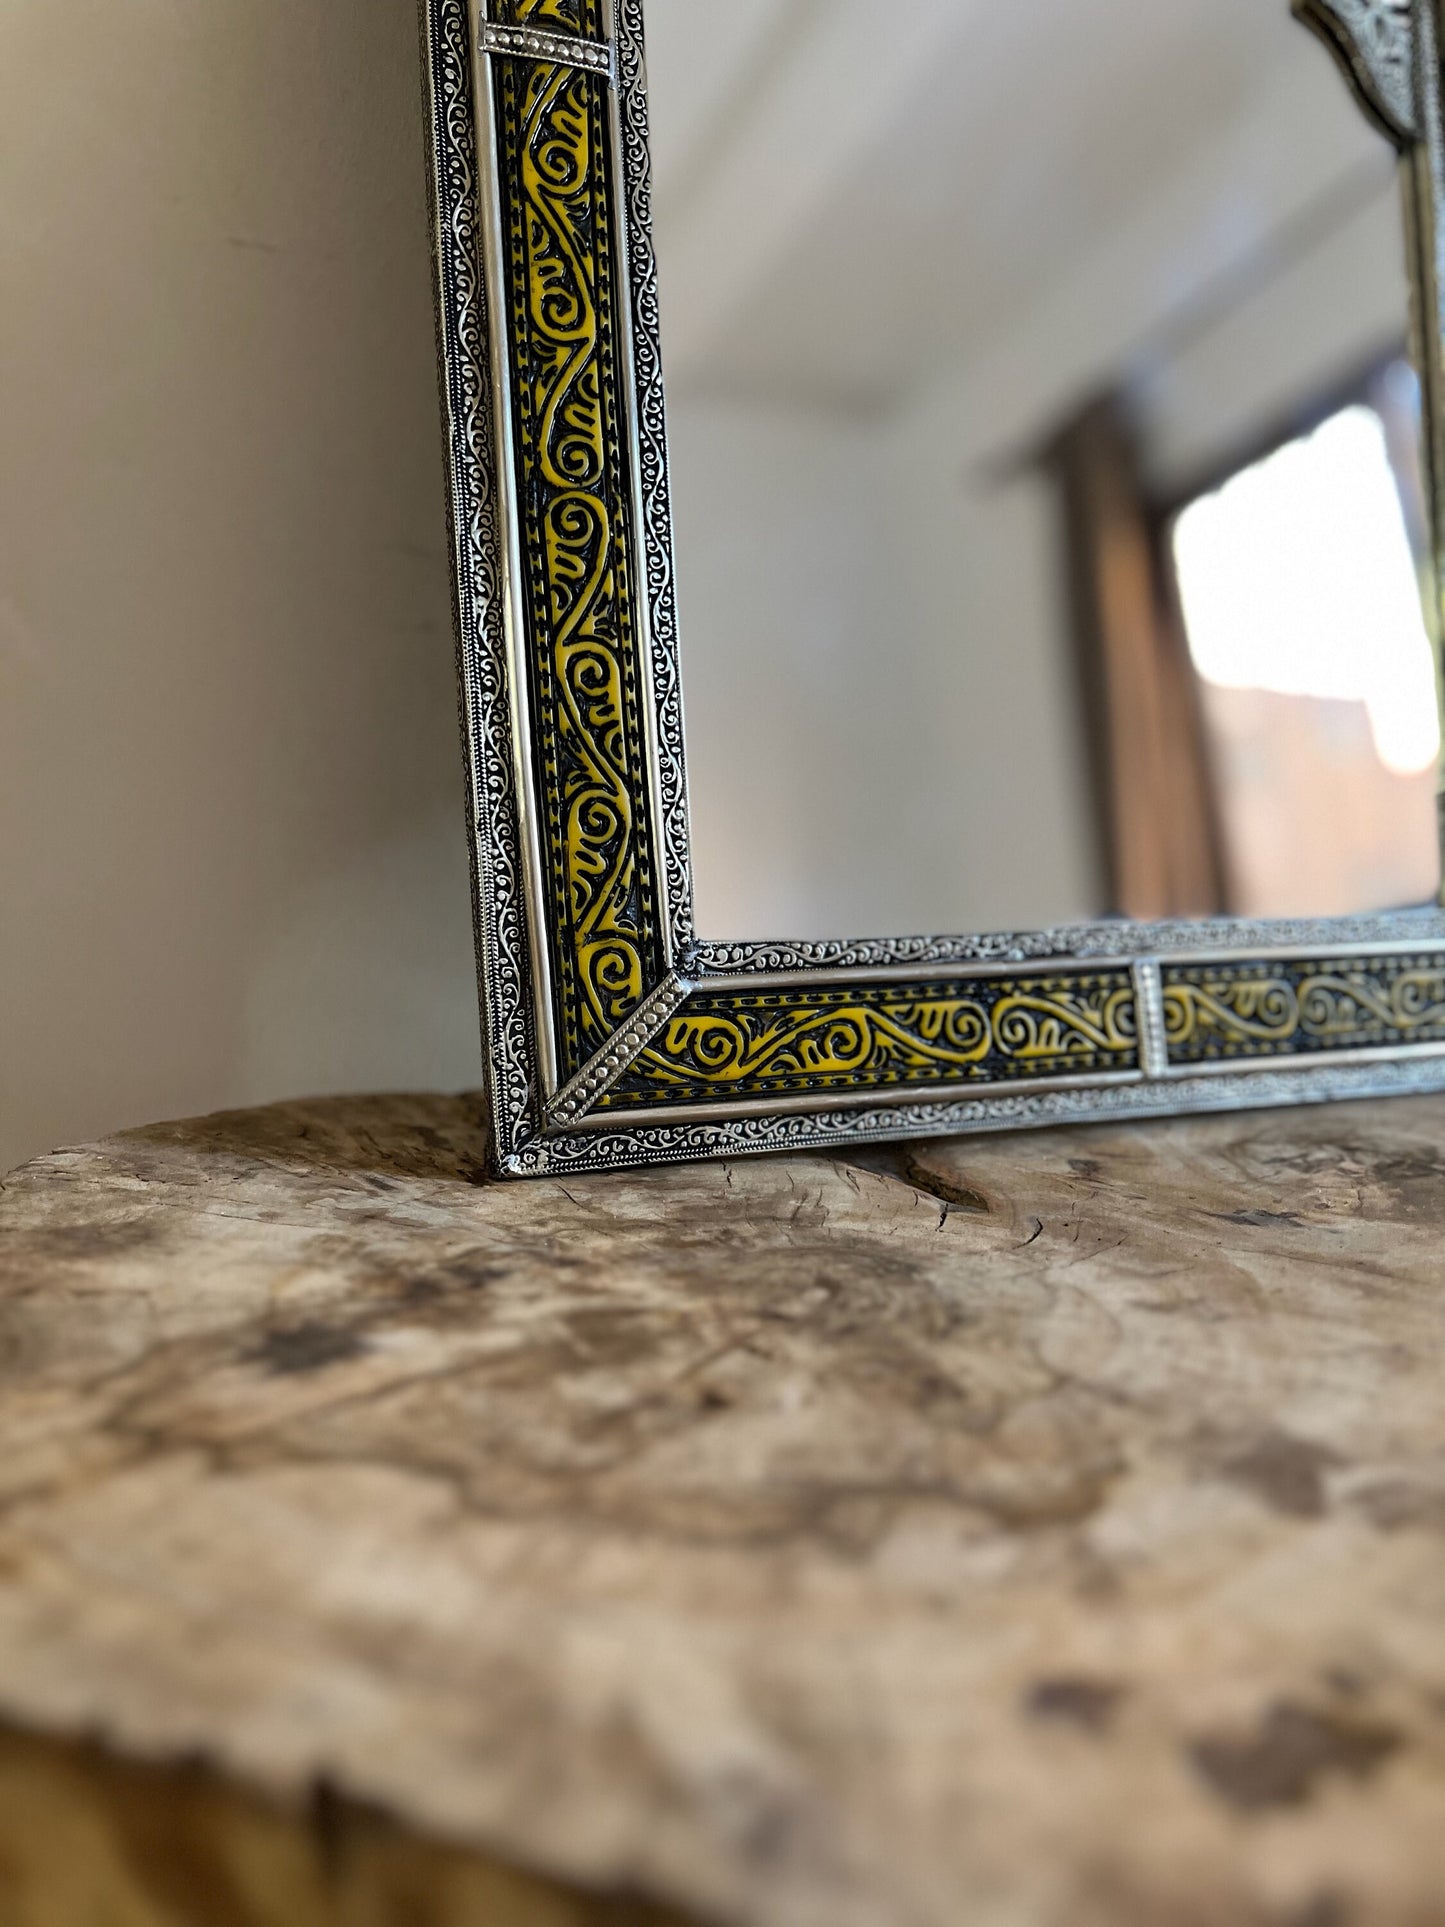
1305,1006
576,16
1343,1006
793,1043
588,729
1056,1022
1251,1011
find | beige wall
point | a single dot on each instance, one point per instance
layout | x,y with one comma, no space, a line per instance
878,736
231,860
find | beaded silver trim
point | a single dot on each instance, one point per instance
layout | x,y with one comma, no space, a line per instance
617,1057
562,50
1149,1016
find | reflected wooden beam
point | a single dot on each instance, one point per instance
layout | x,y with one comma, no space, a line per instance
89,1839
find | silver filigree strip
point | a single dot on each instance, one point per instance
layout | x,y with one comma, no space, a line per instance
463,331
839,1131
1374,40
650,429
1118,941
1149,1016
618,1055
561,49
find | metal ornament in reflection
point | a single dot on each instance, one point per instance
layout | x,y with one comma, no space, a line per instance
615,1038
1375,42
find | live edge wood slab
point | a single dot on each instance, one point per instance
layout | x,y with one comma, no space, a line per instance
1036,1532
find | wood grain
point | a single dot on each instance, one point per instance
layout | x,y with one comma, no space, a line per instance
1041,1532
87,1840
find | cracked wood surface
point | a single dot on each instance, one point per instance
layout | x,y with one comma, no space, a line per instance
1032,1532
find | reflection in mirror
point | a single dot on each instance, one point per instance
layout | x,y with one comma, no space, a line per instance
1045,471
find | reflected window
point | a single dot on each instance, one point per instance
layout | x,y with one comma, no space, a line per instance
1300,594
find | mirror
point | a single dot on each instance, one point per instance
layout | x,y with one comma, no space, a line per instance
1052,497
1048,504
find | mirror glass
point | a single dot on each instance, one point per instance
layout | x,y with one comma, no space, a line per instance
1045,467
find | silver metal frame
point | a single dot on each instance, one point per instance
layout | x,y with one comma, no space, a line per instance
543,1123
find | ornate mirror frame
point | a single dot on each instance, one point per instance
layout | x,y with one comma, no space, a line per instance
614,1036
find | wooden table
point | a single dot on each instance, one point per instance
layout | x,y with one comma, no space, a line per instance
1036,1532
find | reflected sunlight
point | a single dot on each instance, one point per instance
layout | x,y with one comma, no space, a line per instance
1297,577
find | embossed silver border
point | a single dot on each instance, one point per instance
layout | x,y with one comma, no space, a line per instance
534,1135
504,909
841,1131
1119,941
648,422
